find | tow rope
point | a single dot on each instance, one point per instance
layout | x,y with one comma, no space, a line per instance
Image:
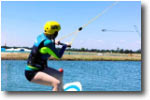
75,33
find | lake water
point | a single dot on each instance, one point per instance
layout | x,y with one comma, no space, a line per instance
93,75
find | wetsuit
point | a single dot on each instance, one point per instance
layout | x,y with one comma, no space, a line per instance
42,49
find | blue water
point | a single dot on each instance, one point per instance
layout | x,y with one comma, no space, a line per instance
93,75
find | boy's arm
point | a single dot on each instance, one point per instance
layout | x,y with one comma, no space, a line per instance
49,47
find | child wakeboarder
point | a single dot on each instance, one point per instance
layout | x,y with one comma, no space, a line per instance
37,70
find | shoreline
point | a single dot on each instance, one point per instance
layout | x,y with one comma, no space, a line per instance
119,57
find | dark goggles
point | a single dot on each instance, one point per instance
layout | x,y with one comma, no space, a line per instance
54,27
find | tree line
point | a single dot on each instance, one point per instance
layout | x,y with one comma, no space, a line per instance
118,50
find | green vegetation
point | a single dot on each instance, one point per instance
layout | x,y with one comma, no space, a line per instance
118,50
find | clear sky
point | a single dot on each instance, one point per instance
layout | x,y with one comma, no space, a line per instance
23,21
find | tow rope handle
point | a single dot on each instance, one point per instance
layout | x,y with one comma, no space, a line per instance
64,44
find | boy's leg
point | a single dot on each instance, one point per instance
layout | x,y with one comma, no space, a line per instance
55,73
45,79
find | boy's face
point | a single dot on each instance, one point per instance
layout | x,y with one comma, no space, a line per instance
53,36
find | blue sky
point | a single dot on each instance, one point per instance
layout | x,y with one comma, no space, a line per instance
23,21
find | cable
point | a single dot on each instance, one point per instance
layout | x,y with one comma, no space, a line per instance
106,30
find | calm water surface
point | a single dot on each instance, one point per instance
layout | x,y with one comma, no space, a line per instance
93,75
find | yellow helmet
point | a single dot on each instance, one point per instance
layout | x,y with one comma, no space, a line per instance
51,27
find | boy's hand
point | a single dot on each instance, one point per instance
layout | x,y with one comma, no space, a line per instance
57,42
68,44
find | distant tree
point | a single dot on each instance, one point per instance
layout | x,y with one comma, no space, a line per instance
107,50
118,50
126,51
82,49
102,50
138,51
130,51
121,51
112,50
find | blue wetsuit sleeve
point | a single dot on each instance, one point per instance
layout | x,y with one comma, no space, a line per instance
52,50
